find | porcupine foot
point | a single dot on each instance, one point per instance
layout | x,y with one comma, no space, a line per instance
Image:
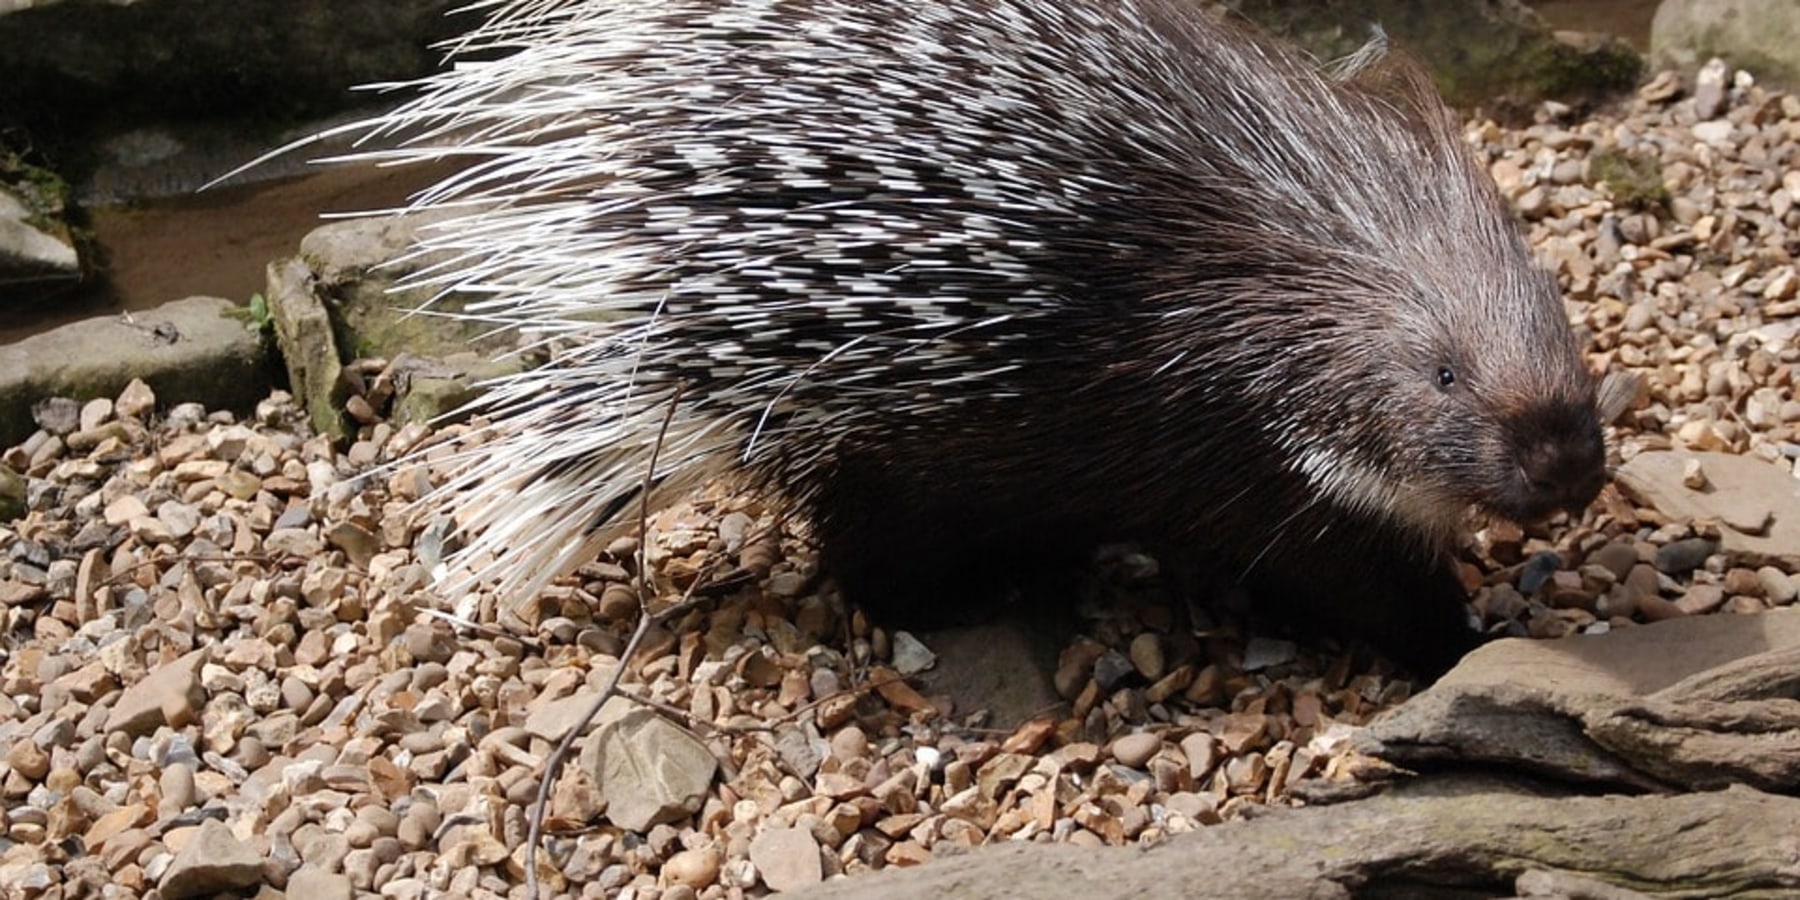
928,589
1413,614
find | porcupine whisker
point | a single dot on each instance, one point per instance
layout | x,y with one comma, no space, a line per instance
1276,534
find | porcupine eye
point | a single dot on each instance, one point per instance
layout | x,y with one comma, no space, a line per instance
1446,378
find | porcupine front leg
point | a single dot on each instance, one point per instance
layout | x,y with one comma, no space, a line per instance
915,557
1410,609
1420,620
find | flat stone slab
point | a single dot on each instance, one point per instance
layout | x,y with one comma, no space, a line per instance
1740,492
1696,703
189,350
1437,834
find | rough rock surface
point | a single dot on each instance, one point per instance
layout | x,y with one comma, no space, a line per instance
1431,839
1695,703
212,862
1756,503
1760,35
185,350
650,771
29,252
130,68
170,694
1487,53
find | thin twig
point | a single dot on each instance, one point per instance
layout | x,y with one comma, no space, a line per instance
554,764
530,643
117,577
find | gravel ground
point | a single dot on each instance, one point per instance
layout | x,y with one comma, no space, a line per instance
222,669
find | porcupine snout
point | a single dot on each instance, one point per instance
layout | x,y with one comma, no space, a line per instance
1561,460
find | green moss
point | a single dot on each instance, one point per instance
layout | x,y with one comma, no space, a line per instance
1634,180
44,193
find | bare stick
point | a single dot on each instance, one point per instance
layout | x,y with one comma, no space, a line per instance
554,764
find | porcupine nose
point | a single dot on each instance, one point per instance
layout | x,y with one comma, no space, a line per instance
1562,460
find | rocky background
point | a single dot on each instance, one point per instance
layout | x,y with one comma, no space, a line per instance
224,670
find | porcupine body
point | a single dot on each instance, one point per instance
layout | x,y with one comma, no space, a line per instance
981,283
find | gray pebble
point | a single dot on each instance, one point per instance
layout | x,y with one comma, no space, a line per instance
1684,555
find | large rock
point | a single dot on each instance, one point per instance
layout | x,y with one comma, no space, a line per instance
1762,36
649,771
212,862
172,693
1697,703
339,298
107,67
308,346
36,245
1756,503
198,349
787,858
1487,53
1436,838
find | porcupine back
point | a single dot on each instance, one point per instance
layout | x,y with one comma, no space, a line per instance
979,282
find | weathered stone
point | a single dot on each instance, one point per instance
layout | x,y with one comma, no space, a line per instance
788,858
694,868
1742,488
313,883
1708,843
553,720
649,770
170,693
213,861
1700,702
189,349
1135,749
1763,34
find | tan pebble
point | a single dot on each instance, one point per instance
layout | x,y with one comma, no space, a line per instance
845,819
1202,753
414,834
29,760
1201,808
849,743
1170,685
696,868
1086,839
1778,586
1147,657
1208,688
1743,605
618,602
1246,774
177,786
787,858
1693,475
125,509
1308,709
1654,608
1701,598
1739,580
1135,750
95,412
1243,731
908,853
136,400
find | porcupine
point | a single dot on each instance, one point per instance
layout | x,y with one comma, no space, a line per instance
976,284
